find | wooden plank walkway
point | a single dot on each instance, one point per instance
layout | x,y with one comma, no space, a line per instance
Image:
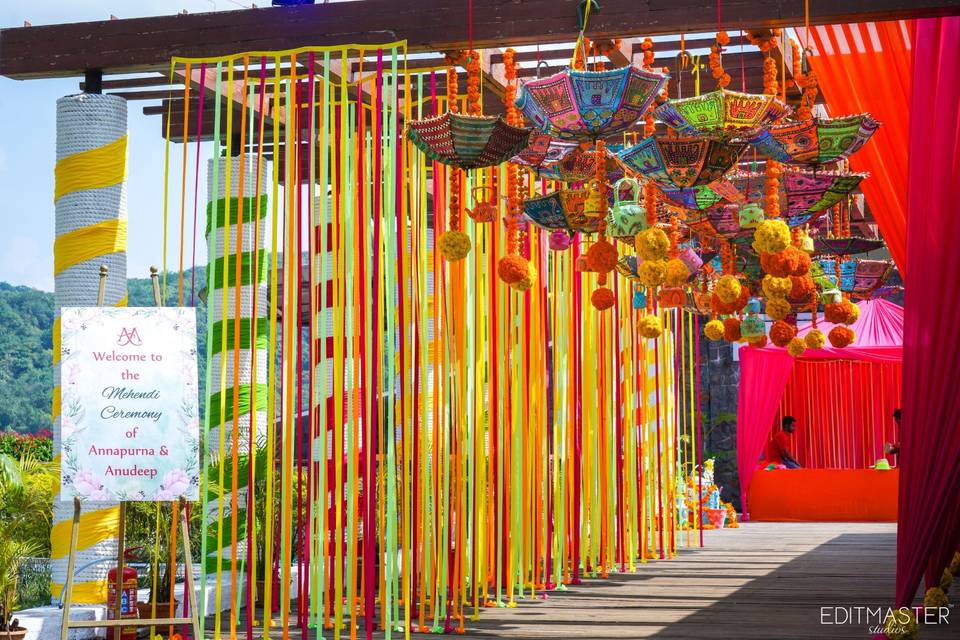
763,581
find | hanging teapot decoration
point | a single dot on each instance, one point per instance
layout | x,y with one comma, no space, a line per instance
484,208
627,215
595,205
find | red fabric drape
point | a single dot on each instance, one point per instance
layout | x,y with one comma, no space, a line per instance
763,376
865,68
928,528
844,411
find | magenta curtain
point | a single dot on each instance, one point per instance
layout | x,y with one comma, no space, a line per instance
928,522
763,377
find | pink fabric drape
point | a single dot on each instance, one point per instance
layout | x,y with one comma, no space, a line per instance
763,377
764,374
929,530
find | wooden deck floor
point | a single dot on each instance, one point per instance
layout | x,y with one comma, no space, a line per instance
763,581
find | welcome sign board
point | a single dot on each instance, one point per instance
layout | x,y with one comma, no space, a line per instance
129,419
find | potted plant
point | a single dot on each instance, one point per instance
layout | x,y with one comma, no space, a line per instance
151,530
26,490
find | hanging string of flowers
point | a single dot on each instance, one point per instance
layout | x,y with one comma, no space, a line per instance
513,269
454,245
806,81
715,62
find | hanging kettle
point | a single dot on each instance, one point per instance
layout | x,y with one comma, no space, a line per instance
484,208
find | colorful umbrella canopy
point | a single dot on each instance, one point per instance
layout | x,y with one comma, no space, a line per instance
722,114
816,141
681,163
695,199
468,142
846,246
586,105
869,276
804,195
580,166
561,210
543,150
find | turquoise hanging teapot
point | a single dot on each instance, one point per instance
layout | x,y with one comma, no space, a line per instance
627,216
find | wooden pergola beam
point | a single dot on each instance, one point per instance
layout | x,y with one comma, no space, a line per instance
148,44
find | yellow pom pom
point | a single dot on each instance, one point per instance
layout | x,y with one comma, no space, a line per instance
713,330
935,597
652,244
652,273
853,313
796,347
774,287
728,289
650,327
955,563
901,624
815,339
946,579
676,273
777,308
771,236
526,282
454,245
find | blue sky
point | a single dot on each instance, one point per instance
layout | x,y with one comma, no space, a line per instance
27,151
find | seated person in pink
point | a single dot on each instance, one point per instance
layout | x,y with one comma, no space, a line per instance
778,449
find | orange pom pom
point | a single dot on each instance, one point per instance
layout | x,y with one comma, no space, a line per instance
512,268
783,264
803,289
843,312
841,337
602,257
731,329
759,342
602,298
781,333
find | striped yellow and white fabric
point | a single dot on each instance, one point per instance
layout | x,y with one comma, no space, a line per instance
91,230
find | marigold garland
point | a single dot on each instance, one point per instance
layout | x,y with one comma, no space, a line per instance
841,336
731,329
652,273
815,339
676,273
759,342
473,84
454,245
724,308
602,298
714,61
777,308
652,244
602,257
728,289
796,347
772,236
802,290
807,82
935,597
650,327
774,287
789,262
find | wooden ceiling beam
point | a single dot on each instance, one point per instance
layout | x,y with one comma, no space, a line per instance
148,44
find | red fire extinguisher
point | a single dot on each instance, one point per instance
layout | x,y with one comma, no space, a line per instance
128,598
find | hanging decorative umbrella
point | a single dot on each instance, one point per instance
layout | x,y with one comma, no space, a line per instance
846,246
681,163
722,114
580,165
586,105
694,199
467,142
804,195
826,275
561,210
543,150
817,141
869,276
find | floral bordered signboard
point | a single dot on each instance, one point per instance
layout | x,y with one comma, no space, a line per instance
130,427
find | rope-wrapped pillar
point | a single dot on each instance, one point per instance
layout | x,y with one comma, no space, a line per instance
91,230
230,371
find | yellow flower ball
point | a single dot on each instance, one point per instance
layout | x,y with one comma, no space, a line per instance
771,236
526,282
777,308
901,625
955,563
935,597
652,273
728,289
815,339
796,347
676,273
713,330
454,245
650,327
652,244
774,287
853,313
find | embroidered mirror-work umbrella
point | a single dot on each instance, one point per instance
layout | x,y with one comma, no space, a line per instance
869,276
823,271
681,163
580,166
845,246
542,151
804,195
722,114
817,141
561,210
468,142
587,105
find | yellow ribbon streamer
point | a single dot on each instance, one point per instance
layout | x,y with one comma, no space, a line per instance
101,167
